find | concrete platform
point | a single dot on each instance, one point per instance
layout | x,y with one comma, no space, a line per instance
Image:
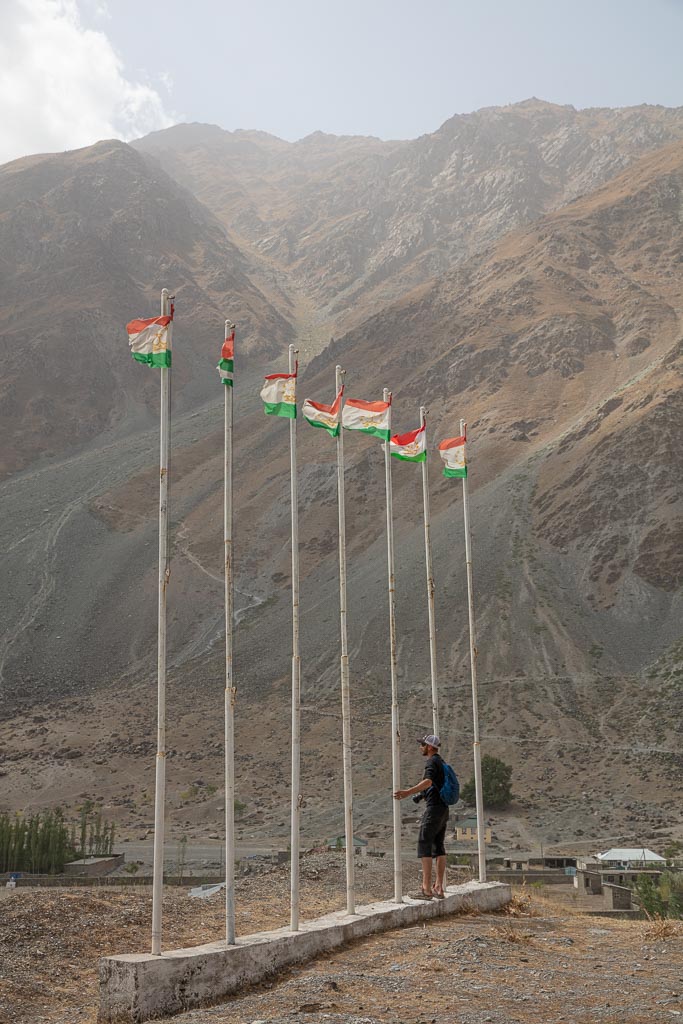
137,987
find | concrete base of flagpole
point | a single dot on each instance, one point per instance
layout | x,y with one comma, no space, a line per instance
137,987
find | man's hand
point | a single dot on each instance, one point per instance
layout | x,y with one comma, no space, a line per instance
401,794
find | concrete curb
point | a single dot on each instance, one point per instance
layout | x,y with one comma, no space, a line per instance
136,987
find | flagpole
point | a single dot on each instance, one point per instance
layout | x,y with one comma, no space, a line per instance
395,729
430,582
296,678
478,789
230,691
345,691
164,576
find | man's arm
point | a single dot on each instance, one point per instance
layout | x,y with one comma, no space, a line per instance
401,794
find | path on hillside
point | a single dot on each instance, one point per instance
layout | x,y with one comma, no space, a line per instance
41,504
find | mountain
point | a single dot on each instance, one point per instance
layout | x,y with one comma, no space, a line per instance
562,347
355,222
559,343
87,241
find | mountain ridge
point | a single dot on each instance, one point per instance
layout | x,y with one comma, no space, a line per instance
390,215
99,232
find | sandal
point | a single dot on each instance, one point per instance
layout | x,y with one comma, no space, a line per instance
439,895
421,895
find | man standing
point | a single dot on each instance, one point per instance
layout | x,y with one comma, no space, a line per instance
430,843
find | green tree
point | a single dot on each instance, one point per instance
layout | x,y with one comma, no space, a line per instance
98,834
496,783
649,895
674,910
182,851
673,850
85,812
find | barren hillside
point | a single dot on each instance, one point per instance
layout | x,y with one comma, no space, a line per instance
354,222
559,343
87,241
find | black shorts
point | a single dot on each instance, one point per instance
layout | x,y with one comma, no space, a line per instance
430,842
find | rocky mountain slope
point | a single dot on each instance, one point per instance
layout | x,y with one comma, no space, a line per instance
87,241
355,222
561,347
560,344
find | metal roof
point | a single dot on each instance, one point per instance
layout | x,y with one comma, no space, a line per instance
639,854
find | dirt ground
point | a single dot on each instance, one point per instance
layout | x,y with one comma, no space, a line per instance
538,962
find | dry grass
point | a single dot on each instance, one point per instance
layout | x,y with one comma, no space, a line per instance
662,928
468,909
521,904
509,933
50,941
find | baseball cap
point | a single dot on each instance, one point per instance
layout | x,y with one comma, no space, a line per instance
431,740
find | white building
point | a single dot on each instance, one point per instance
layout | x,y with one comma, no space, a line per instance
630,858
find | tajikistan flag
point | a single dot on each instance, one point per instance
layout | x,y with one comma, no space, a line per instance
452,451
367,417
325,416
227,356
410,447
149,342
279,395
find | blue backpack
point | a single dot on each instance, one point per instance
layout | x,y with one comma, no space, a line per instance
450,791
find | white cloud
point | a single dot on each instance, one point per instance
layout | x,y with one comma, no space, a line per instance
62,85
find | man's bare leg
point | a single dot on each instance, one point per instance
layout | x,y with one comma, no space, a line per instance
427,874
440,875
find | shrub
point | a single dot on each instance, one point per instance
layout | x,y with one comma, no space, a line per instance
496,783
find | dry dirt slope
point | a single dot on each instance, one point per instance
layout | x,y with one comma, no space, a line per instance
561,346
532,342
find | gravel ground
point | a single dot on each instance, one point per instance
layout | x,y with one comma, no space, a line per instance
535,963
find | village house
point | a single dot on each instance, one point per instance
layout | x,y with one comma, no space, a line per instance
618,866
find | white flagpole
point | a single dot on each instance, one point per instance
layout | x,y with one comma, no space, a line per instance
345,693
230,691
430,583
481,848
164,576
395,729
296,678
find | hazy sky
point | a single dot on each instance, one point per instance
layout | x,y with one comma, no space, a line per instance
74,71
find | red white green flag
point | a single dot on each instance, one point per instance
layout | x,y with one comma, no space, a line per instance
225,367
325,416
279,395
367,417
409,447
149,340
452,451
